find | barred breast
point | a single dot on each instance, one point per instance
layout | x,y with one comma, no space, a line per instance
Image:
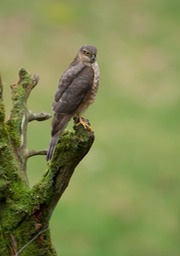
91,95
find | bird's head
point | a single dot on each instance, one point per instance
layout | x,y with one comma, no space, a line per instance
87,54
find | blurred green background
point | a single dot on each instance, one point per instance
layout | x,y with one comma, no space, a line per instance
124,196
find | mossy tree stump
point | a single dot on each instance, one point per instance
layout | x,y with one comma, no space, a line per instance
25,212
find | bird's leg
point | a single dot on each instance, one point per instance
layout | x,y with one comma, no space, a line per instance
84,122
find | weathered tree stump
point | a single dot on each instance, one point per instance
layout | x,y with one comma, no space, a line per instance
25,212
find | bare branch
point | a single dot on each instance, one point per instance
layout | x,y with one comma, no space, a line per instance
42,116
31,153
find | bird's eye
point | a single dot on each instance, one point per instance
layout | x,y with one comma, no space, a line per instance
86,53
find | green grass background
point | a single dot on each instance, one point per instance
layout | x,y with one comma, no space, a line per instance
123,199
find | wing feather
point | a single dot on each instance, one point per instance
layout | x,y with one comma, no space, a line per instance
75,93
66,79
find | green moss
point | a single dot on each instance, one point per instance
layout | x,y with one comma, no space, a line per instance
71,146
5,243
21,216
42,192
70,149
20,93
25,212
4,185
2,112
28,238
8,162
40,246
14,127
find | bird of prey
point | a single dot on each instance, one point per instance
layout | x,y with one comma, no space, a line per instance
77,89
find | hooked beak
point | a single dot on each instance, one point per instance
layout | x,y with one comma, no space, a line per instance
93,57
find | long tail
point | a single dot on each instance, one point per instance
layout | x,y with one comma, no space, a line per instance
59,123
52,146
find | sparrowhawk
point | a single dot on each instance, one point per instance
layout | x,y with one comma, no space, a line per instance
76,91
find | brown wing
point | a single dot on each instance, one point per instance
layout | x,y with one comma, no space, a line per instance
75,92
66,79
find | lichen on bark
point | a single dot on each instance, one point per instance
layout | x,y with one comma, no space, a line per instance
24,211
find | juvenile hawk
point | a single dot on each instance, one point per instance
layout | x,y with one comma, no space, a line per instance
76,91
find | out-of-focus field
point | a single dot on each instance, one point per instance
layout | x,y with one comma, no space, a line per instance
124,198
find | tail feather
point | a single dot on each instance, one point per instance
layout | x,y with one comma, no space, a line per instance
52,146
59,123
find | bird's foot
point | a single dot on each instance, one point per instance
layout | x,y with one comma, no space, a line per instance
82,121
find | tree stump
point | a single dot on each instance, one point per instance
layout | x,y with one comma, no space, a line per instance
25,212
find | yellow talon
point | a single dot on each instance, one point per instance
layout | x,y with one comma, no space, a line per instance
84,122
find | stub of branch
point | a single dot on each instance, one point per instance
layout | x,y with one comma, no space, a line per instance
23,75
31,153
35,80
42,116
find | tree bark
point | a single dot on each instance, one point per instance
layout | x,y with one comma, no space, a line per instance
25,212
